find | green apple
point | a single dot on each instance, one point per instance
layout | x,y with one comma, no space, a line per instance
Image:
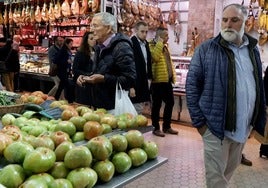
122,162
16,151
62,149
63,183
8,119
40,160
78,122
135,139
105,170
138,156
44,141
83,177
47,178
77,157
78,136
110,120
59,170
91,116
122,124
151,149
82,110
12,175
20,121
67,127
119,142
37,130
100,147
141,120
106,128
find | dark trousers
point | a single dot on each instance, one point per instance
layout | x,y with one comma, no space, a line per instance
68,89
17,81
162,92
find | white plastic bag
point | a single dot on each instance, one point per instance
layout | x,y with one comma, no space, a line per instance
123,103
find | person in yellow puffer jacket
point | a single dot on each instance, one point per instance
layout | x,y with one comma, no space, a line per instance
163,75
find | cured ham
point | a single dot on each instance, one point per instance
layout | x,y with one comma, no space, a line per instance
134,8
57,10
10,16
27,18
16,15
37,14
75,7
1,18
44,13
5,17
51,12
84,8
95,5
65,8
32,15
142,8
22,17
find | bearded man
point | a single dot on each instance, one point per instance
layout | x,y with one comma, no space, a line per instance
225,96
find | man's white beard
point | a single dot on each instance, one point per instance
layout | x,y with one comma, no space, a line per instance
232,35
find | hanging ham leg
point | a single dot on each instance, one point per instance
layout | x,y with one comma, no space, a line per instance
27,18
84,8
10,16
32,15
57,10
65,8
44,13
95,5
37,14
51,12
5,17
75,7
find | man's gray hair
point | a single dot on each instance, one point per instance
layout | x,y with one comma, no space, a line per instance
239,7
108,19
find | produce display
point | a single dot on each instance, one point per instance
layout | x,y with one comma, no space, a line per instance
71,151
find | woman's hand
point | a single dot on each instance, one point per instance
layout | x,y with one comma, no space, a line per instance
80,80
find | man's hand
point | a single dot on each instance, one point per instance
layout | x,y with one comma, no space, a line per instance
132,92
202,130
94,79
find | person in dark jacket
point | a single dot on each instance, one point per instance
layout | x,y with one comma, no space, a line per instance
140,92
64,62
82,66
264,147
114,61
12,64
52,54
225,95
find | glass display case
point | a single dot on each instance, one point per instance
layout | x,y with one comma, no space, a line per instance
181,64
34,62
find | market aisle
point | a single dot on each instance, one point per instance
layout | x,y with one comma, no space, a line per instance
185,169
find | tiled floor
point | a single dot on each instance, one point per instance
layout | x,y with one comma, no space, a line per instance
185,168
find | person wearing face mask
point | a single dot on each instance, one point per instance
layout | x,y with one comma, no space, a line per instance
225,95
140,92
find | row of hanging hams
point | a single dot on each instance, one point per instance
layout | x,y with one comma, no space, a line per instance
26,13
130,12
